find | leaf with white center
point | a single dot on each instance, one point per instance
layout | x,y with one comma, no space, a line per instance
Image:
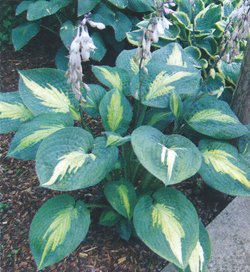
214,118
121,195
26,141
223,168
13,112
199,259
170,158
113,77
115,111
161,81
57,229
70,159
168,224
46,90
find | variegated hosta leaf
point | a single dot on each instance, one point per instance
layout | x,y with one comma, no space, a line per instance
109,217
116,111
121,195
13,112
141,5
168,224
171,159
46,90
223,168
199,259
206,18
71,159
113,77
185,6
173,54
215,85
244,145
214,118
26,141
57,229
229,70
93,99
116,139
125,60
161,81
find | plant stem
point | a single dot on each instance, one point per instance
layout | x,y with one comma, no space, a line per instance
57,16
84,125
49,29
96,206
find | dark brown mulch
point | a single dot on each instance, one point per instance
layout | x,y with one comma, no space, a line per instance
102,249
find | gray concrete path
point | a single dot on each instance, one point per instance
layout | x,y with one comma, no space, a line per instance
230,238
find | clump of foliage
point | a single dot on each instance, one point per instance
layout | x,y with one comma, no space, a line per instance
134,161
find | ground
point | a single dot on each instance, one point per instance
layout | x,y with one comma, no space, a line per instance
102,249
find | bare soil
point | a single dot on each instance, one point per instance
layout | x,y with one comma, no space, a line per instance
102,249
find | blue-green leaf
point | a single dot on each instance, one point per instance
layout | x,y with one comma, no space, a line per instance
168,224
214,118
223,168
67,33
57,229
70,159
85,6
116,139
26,141
229,70
116,111
13,113
171,159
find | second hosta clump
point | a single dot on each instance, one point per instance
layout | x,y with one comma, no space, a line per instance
135,160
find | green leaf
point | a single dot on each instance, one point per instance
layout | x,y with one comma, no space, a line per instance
244,144
85,6
229,70
199,259
57,229
124,227
23,33
176,104
61,59
228,8
214,118
161,81
109,218
182,19
23,6
119,3
121,195
41,8
141,5
113,77
125,60
46,90
116,139
158,118
206,18
168,224
93,98
209,45
71,159
26,141
116,111
223,168
101,50
171,159
173,54
13,112
67,33
214,85
185,6
194,52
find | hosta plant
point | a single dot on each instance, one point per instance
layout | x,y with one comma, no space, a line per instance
160,127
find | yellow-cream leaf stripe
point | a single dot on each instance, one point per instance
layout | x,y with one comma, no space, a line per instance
58,230
196,259
176,58
50,96
123,192
167,221
161,85
36,136
212,115
14,111
219,160
69,163
115,111
113,78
